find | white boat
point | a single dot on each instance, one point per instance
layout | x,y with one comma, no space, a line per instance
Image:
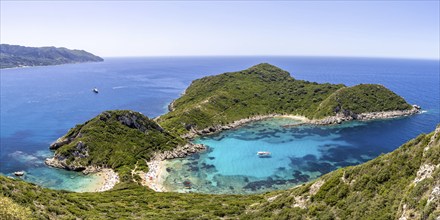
95,90
263,153
19,173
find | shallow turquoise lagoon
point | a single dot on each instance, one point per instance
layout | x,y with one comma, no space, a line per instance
298,154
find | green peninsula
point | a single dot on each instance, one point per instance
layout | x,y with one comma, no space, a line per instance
404,183
127,140
265,89
20,56
114,139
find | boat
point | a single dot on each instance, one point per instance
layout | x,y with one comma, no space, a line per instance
263,153
19,173
95,90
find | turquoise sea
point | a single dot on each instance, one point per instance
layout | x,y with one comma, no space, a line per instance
40,104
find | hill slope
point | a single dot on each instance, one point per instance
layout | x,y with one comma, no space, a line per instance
265,89
115,139
404,183
19,56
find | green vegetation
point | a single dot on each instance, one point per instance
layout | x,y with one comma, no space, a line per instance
11,210
378,189
124,139
115,139
265,89
359,99
382,188
125,202
19,56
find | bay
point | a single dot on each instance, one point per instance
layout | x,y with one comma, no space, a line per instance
40,104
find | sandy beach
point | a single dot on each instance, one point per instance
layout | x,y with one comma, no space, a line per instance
107,179
294,117
155,176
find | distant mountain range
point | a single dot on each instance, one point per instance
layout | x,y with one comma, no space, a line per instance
20,56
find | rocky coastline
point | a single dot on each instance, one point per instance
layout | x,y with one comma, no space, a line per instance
109,177
155,175
331,120
180,152
217,128
60,162
171,106
341,117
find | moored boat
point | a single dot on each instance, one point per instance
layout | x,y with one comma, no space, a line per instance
19,173
263,153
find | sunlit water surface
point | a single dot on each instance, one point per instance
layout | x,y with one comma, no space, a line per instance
40,104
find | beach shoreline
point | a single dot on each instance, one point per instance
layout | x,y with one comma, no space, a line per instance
329,120
107,179
155,176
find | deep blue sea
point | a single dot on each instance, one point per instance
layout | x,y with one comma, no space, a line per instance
40,104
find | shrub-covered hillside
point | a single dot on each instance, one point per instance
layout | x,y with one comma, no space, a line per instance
27,201
115,139
265,89
361,98
403,183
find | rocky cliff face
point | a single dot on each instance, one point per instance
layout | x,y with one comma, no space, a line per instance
350,116
80,151
180,151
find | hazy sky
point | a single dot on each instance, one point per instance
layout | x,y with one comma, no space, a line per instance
147,28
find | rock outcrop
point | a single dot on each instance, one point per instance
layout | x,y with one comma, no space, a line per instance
171,106
60,162
341,117
180,151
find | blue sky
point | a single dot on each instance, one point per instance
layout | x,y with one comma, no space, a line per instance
408,29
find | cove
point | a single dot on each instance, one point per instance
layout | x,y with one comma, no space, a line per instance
57,98
299,154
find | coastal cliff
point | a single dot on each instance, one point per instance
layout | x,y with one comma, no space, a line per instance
350,116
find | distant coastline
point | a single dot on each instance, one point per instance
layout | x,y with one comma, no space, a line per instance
15,56
61,64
